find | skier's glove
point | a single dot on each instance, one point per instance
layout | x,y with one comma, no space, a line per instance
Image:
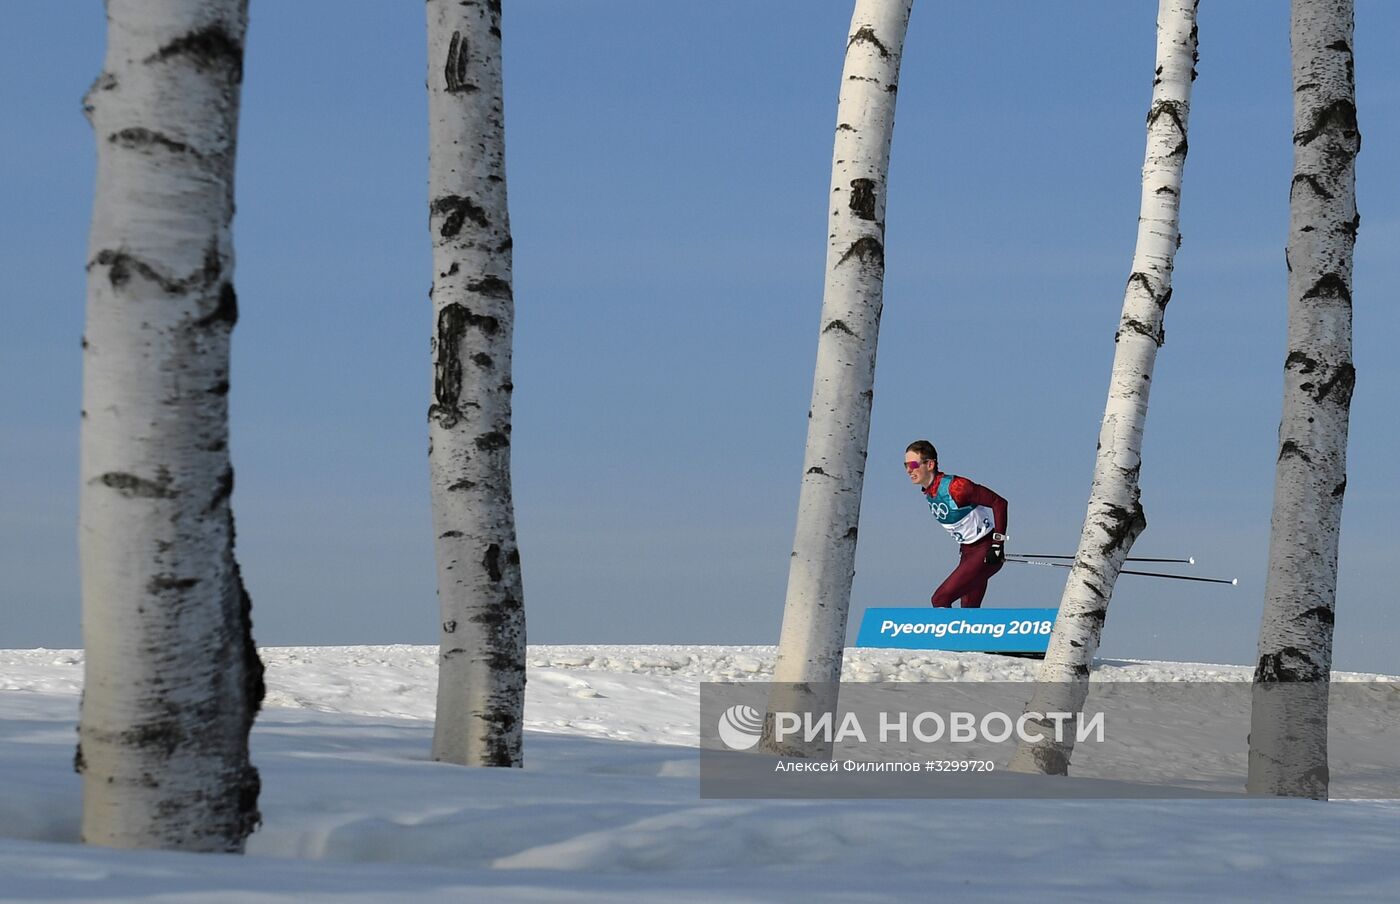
995,555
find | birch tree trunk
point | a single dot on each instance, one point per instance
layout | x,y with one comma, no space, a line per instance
1288,727
838,428
172,679
481,667
1115,516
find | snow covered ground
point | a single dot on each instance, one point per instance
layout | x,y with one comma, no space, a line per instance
607,808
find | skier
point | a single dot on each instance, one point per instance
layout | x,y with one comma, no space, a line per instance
973,514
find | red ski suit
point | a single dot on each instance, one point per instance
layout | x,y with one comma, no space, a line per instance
968,581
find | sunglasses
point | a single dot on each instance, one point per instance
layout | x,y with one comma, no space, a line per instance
915,465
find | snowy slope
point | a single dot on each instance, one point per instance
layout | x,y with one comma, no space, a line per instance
608,809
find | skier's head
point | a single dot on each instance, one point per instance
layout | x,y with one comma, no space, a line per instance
921,462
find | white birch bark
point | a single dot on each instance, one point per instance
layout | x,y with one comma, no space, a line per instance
481,666
1115,517
1288,730
822,565
172,679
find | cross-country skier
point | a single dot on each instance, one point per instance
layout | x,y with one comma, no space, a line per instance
973,514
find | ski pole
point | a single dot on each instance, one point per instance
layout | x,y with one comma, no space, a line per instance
1189,560
1150,574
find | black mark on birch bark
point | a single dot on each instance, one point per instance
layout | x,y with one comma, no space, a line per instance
1330,285
492,563
838,326
104,82
1132,325
1171,108
143,139
1342,382
866,35
1122,526
1156,332
1290,448
1340,489
493,441
249,788
499,619
162,583
447,534
491,287
254,674
163,735
1289,664
1048,756
455,72
222,491
453,322
207,48
1301,361
225,309
501,747
122,266
1339,116
1320,614
863,198
1312,182
447,369
461,485
868,249
1177,111
133,487
457,211
488,325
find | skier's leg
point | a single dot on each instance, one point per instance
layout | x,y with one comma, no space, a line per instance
968,581
977,589
972,599
963,579
947,592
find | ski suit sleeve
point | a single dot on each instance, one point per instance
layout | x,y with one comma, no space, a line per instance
965,492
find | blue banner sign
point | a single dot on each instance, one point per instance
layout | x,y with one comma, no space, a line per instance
963,630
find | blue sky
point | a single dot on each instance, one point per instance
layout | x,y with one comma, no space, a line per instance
668,166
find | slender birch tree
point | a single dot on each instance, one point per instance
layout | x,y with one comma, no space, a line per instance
1288,725
172,679
1115,516
481,667
838,428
